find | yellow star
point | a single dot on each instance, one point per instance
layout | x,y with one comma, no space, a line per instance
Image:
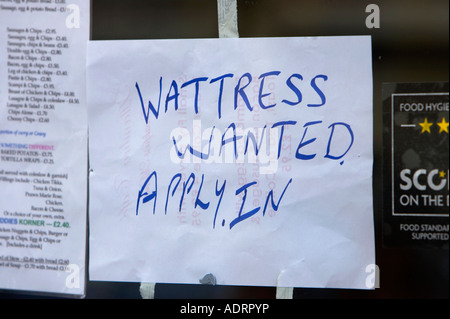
443,126
442,174
425,126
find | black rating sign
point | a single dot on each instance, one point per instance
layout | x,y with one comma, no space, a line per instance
416,179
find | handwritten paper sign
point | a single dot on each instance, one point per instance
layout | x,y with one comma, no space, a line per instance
250,159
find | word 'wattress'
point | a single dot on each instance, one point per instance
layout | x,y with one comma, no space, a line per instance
247,158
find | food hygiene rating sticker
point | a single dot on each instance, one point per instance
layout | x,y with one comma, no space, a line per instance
416,172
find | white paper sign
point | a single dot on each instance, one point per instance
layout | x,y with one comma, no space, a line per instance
43,145
250,159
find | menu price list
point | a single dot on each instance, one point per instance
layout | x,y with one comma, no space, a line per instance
43,143
44,193
34,63
8,261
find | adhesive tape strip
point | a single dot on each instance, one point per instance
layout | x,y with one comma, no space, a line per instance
227,12
284,292
147,290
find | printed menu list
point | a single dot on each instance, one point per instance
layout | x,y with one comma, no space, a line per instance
43,145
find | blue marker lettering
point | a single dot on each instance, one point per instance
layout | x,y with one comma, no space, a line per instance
219,192
270,195
240,91
173,192
302,144
196,81
253,138
179,154
198,202
219,103
194,152
282,123
241,217
318,91
233,139
191,177
261,87
148,197
200,154
150,105
294,88
331,136
174,96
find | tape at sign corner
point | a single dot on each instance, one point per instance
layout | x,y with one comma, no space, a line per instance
227,13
